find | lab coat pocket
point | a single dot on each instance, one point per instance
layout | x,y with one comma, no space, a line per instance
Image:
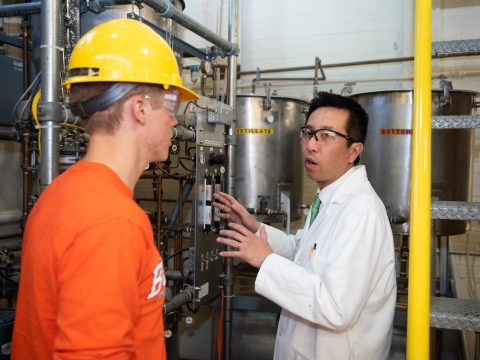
297,355
317,263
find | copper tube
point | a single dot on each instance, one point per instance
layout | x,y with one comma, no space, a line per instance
180,202
155,187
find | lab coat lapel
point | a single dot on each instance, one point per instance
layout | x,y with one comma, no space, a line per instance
348,186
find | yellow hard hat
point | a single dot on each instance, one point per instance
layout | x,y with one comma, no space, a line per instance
128,51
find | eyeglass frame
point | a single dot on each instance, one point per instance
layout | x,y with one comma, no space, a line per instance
314,133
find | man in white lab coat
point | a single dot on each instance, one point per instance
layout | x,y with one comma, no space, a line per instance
335,279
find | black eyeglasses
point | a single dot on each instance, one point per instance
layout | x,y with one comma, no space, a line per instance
323,136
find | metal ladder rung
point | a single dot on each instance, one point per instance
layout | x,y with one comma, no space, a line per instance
450,47
455,210
456,122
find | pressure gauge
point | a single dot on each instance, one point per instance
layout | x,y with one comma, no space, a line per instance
206,66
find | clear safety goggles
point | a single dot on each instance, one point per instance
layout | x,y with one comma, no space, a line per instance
169,99
322,136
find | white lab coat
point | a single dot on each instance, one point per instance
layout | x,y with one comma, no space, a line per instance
338,300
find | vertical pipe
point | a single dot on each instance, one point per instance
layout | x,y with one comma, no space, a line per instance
158,193
26,67
26,132
418,324
433,259
231,152
50,67
402,281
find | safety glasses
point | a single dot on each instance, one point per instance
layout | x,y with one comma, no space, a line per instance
169,99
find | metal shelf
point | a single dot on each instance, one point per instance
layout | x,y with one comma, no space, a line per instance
455,210
455,314
456,122
456,46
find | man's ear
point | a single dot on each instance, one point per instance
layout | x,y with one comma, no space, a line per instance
355,150
138,107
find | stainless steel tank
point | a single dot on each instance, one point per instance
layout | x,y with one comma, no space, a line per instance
388,153
268,162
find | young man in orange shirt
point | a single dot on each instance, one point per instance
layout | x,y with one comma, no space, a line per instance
92,283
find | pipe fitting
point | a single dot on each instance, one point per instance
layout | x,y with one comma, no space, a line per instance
49,111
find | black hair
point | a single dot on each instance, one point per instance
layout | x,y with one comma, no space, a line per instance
357,122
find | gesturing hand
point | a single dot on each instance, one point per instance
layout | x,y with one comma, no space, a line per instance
234,211
251,248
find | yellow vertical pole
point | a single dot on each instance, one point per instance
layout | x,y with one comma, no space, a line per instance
419,272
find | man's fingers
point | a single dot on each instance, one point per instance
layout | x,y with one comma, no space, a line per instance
263,232
229,254
239,229
232,234
233,243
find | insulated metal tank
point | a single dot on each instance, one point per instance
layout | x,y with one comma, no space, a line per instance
388,153
268,161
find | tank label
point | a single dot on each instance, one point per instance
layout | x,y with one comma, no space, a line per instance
243,131
396,131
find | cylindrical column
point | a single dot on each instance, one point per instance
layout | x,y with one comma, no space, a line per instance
231,152
50,67
418,326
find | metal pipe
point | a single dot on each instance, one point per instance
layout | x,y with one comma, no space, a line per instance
25,50
9,135
203,85
231,153
26,133
315,82
418,321
402,281
158,233
10,216
186,192
183,134
10,236
168,10
25,179
20,9
177,300
49,109
355,63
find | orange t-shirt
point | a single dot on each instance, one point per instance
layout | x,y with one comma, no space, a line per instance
92,282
